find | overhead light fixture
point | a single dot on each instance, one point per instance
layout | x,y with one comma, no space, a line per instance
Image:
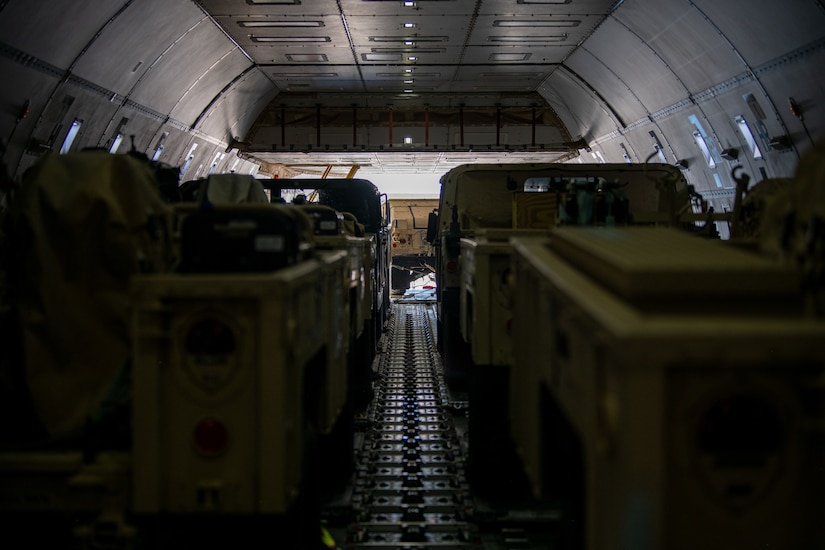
289,39
536,23
515,87
307,57
280,24
409,43
509,75
412,58
406,74
381,56
408,82
409,4
416,38
409,25
408,70
305,75
531,39
509,56
406,49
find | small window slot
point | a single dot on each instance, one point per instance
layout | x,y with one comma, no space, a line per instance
750,140
71,135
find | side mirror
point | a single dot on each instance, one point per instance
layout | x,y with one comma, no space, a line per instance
432,227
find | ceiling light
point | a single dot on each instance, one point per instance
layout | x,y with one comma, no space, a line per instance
408,70
290,39
556,38
508,75
406,74
381,56
536,23
409,25
402,49
408,82
416,38
409,4
504,87
307,57
412,58
409,43
509,56
305,75
276,24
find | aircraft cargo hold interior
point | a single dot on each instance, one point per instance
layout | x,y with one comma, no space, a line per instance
408,275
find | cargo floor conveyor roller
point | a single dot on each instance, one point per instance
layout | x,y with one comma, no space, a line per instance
410,489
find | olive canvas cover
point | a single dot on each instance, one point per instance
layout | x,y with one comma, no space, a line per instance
80,226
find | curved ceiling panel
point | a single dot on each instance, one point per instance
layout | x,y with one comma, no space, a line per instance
761,30
614,71
289,39
36,86
578,108
594,75
263,8
315,78
681,35
208,86
234,111
55,32
187,60
635,63
128,47
796,79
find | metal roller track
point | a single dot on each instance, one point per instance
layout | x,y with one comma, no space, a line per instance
410,490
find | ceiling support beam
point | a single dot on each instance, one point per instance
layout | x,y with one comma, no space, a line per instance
283,126
498,125
318,125
426,126
355,126
390,141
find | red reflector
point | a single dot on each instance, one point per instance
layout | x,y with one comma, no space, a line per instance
211,436
452,267
394,245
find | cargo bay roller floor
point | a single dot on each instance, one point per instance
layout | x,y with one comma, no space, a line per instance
409,490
